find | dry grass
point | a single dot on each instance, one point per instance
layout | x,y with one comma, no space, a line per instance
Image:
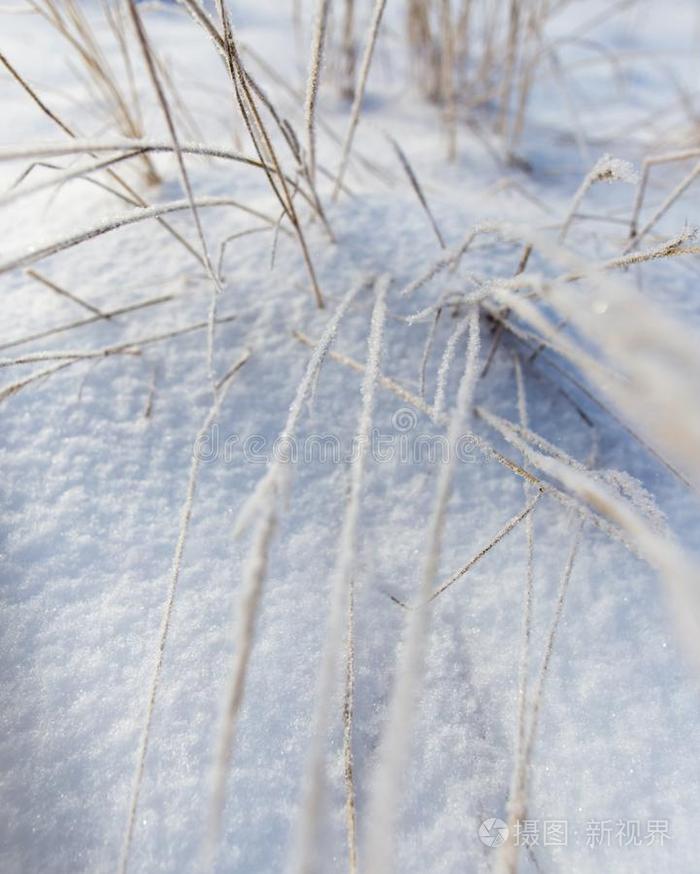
383,808
307,859
261,511
313,80
366,63
487,51
570,315
220,393
116,94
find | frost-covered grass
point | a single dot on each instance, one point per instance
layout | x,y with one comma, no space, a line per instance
350,468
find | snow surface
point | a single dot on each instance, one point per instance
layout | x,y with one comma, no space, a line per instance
92,490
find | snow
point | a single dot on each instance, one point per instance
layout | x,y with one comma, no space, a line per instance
92,487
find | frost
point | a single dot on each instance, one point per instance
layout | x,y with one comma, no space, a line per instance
609,169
